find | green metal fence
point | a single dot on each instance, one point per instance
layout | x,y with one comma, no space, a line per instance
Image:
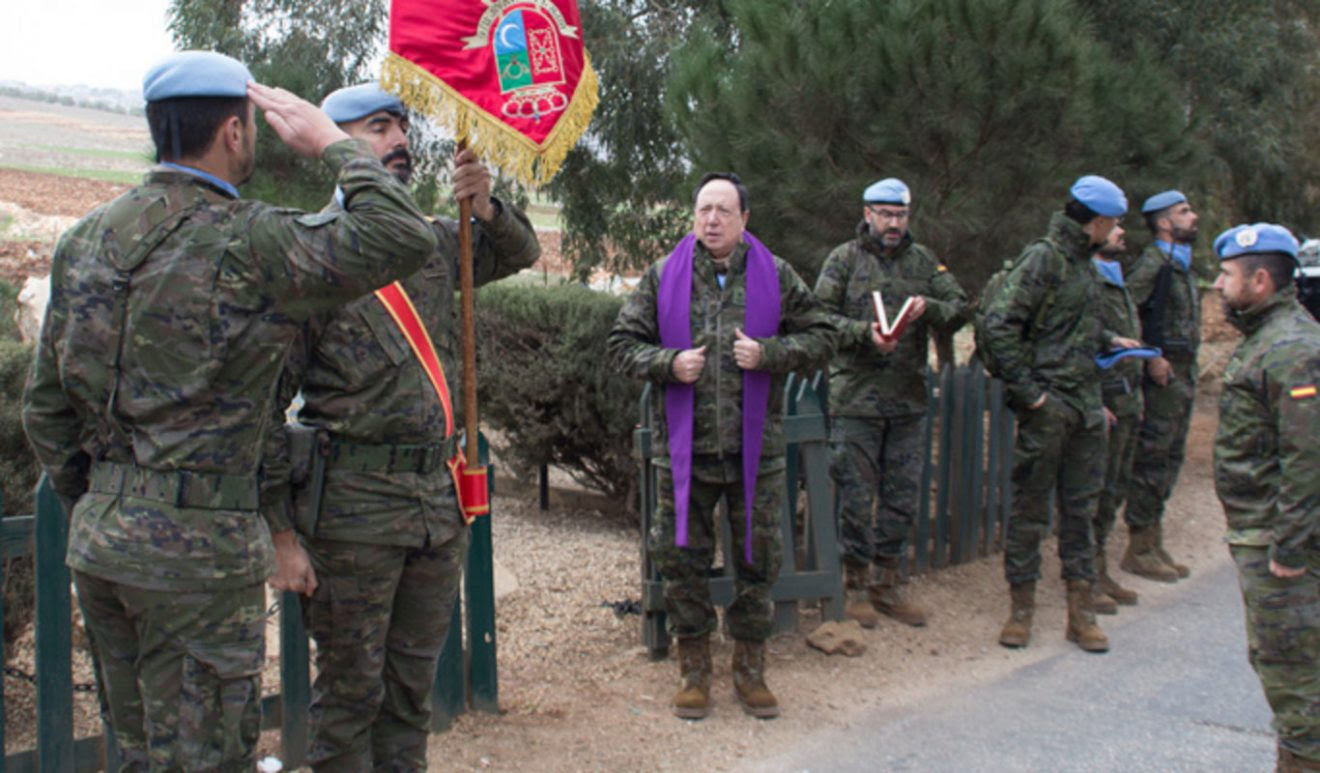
965,475
466,678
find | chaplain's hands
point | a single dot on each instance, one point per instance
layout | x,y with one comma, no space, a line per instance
688,365
747,352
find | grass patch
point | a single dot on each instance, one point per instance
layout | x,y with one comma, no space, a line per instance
118,155
103,175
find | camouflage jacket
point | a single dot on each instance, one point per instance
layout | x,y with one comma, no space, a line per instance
361,382
171,313
1120,386
1044,326
1267,460
864,382
805,342
1180,335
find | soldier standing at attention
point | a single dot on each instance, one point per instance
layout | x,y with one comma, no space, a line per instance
385,533
171,313
1267,476
1044,328
878,395
719,324
1120,389
1164,286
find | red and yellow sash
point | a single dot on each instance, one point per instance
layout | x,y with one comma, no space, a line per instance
473,492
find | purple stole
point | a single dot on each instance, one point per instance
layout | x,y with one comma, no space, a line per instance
761,320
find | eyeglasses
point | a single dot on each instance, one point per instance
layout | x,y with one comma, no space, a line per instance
891,214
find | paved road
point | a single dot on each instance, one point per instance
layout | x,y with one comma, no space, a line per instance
1174,694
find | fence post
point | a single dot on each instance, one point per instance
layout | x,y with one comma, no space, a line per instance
54,639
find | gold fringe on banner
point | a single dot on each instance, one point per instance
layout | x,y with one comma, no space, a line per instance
495,141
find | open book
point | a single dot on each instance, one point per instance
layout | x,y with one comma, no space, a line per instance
891,330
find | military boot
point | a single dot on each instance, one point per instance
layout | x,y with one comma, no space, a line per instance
692,701
856,600
887,598
1082,628
1101,602
749,679
1141,559
1109,585
1182,569
1017,631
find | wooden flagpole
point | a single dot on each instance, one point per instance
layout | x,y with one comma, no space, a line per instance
466,291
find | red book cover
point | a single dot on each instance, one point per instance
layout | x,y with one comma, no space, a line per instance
890,331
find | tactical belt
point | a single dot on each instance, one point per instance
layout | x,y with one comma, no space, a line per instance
357,457
181,488
1115,387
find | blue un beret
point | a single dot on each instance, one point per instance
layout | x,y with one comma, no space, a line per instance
1162,201
195,74
353,102
890,190
1100,195
1254,239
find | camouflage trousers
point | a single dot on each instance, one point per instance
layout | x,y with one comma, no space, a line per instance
685,571
1121,446
1283,644
379,616
1057,452
876,467
1160,444
179,672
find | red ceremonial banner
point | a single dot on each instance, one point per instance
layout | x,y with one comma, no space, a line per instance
509,76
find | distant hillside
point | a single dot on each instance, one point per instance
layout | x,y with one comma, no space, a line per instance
95,98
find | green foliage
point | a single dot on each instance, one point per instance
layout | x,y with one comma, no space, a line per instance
18,466
545,386
988,109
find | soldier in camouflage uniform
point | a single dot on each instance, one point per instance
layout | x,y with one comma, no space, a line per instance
1044,329
171,313
878,395
388,542
714,365
1120,389
1267,475
1163,284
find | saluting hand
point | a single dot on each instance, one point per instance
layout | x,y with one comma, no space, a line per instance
747,352
688,365
304,127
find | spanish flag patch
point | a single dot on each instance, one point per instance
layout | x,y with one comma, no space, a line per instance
1302,392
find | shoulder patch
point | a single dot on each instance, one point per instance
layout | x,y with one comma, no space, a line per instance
1302,392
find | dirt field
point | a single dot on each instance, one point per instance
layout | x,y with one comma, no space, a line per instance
577,691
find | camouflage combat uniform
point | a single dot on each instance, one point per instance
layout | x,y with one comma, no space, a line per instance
634,344
878,401
388,543
1168,409
1267,475
1120,388
1045,330
171,313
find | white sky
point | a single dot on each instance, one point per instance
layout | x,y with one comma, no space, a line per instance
108,43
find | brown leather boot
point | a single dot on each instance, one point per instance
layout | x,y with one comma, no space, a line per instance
1017,631
856,599
888,599
1109,585
692,701
1082,627
1182,569
749,679
1100,601
1141,559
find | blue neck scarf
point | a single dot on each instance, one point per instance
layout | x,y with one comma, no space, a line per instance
210,178
1110,270
1181,253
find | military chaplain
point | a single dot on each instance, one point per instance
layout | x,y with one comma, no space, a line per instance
381,519
1045,329
171,313
878,394
718,325
1267,476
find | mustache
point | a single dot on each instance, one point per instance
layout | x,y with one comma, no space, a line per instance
398,154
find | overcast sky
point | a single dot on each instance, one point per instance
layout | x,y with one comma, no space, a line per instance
88,42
